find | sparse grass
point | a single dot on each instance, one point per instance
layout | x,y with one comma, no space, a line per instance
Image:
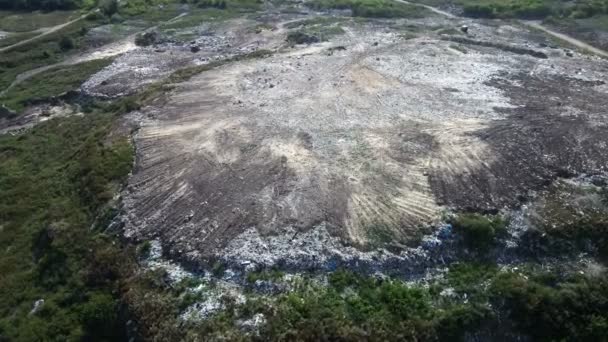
51,83
372,8
449,31
29,21
322,21
16,38
574,217
199,17
380,234
598,22
459,47
41,52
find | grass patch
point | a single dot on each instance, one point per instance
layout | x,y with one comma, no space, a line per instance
265,275
317,21
372,8
30,21
51,83
16,38
198,17
44,51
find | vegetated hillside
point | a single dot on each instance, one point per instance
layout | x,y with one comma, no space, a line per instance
533,9
47,5
68,273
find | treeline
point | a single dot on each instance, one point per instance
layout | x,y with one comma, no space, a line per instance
533,9
45,5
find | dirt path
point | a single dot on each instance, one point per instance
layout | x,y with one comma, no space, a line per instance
571,40
430,8
106,51
46,32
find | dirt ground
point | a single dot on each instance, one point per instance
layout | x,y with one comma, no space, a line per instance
371,135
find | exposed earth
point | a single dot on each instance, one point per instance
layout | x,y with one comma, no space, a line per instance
344,170
368,137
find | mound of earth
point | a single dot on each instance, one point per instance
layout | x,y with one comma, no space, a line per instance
363,140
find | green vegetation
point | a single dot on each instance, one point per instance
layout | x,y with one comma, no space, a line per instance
24,22
299,37
572,218
372,8
316,21
51,83
528,9
546,309
532,9
44,51
16,38
197,17
47,5
54,180
479,232
354,307
266,275
314,30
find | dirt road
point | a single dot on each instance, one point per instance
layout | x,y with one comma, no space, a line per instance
46,32
110,50
566,38
571,40
430,8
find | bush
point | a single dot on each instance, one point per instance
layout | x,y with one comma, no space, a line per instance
146,38
479,232
108,7
66,43
299,37
574,310
221,4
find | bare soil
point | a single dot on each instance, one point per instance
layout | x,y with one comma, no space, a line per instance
371,131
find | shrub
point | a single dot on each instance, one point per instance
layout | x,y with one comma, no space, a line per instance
221,4
66,43
108,7
146,38
479,232
299,37
575,310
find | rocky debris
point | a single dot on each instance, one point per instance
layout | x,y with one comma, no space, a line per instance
505,47
252,324
464,29
37,306
316,249
195,48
